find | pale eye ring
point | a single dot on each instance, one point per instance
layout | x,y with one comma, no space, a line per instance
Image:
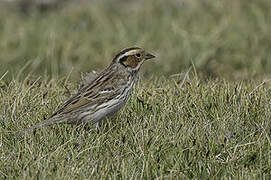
138,55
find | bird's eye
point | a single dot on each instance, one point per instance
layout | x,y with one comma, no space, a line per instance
138,55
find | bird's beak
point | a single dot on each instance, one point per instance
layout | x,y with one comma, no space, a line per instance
149,56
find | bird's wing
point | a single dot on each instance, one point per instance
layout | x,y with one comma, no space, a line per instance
99,91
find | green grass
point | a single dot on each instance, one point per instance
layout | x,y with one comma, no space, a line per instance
170,128
221,38
211,122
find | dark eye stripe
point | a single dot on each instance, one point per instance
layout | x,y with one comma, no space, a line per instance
123,59
123,52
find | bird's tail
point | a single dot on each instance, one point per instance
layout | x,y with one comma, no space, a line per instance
47,122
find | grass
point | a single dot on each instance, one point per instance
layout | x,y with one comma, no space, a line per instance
212,122
170,128
228,39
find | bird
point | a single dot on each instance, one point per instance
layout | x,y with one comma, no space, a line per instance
101,94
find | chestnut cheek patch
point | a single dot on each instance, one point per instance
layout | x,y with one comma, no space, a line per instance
130,61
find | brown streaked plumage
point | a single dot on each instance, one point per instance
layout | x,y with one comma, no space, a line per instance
102,94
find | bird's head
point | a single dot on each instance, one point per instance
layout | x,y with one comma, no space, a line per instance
132,58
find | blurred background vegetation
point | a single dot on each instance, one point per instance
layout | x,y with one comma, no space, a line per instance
229,39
